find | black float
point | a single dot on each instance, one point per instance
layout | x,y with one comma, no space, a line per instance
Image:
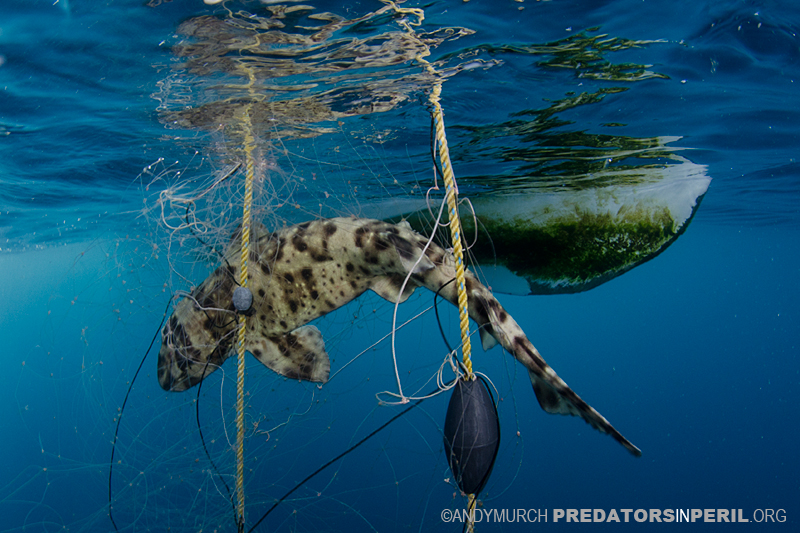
471,434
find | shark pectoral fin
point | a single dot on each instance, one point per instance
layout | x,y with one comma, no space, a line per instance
487,339
388,288
299,354
558,398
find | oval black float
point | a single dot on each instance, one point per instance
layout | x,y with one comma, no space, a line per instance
471,434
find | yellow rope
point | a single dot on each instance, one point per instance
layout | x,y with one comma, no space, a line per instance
249,145
451,188
471,513
248,201
455,223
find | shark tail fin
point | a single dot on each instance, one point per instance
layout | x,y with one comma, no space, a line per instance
558,398
553,394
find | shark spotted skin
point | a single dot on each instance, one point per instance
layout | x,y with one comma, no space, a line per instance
302,272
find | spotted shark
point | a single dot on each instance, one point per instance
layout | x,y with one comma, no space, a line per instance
302,272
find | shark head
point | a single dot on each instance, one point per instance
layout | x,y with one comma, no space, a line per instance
198,336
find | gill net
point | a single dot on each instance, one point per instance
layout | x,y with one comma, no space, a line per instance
315,88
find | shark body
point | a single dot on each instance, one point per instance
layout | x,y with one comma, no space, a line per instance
302,272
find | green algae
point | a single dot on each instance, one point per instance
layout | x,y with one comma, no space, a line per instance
577,253
569,253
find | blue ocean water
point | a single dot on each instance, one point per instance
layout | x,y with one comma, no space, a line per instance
693,355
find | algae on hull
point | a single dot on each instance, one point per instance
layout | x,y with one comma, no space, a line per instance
568,241
573,255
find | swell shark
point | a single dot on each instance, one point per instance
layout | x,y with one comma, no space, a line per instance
302,272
